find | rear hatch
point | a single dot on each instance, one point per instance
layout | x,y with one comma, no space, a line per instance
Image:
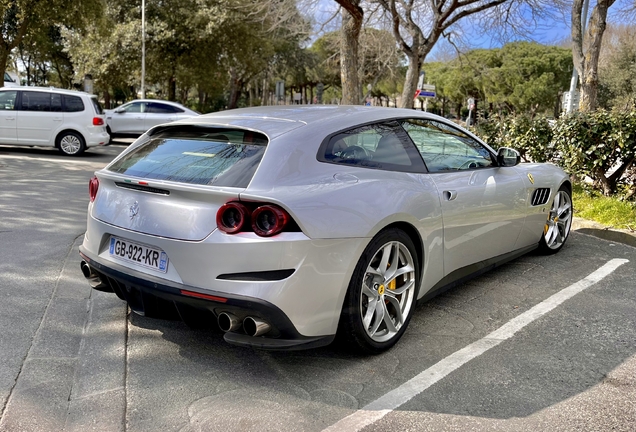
172,184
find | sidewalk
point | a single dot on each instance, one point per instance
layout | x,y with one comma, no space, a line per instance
73,377
597,230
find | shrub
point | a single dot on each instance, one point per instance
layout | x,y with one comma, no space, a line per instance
600,145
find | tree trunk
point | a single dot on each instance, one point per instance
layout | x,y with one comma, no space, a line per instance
410,82
106,99
172,89
587,64
351,27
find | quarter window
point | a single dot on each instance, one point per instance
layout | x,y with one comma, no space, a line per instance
73,104
159,108
381,146
445,148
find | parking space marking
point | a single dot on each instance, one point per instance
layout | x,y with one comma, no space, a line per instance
63,161
382,406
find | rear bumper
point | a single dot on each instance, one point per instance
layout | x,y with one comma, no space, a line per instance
158,298
97,135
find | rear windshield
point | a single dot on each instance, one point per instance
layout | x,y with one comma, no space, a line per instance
97,106
196,155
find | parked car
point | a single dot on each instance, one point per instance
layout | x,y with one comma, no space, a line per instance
9,81
69,120
136,117
290,225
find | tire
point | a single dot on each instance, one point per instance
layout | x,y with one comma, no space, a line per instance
110,135
557,228
378,305
70,143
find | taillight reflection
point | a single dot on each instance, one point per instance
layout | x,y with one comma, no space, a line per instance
93,186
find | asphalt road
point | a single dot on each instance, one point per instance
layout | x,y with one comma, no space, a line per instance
74,359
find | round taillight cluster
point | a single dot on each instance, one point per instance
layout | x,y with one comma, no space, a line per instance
232,217
265,220
93,186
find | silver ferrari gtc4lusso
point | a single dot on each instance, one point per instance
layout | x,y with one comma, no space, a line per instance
291,225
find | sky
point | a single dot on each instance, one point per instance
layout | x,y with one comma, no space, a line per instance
551,27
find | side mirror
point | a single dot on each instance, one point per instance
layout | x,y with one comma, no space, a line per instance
507,157
119,111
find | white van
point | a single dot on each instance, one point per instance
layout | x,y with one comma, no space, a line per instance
9,81
69,120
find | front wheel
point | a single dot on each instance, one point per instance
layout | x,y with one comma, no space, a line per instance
71,143
557,227
382,293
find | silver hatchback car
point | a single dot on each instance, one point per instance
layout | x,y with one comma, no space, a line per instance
288,226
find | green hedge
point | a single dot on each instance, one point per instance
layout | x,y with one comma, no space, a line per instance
599,145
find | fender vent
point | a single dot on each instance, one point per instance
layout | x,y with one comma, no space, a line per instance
540,196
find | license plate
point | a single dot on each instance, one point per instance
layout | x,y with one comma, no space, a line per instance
138,254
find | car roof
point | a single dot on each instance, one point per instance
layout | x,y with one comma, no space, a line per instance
50,89
277,120
157,100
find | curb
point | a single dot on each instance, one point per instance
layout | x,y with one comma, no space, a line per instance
596,229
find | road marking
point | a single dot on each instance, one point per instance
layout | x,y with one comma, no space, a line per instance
63,161
382,406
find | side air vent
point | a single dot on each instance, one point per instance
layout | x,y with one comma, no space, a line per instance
143,188
540,196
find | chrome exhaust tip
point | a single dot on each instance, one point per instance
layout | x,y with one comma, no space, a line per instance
93,279
228,322
255,326
86,270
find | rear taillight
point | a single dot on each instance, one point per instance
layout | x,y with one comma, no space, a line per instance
93,185
265,220
269,220
98,121
232,217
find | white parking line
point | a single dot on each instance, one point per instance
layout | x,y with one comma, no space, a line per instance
377,409
64,161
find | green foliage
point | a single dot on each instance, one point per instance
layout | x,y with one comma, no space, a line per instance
599,145
519,77
590,204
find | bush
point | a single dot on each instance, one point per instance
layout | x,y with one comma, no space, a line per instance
600,145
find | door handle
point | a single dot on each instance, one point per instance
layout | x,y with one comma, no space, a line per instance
10,118
57,119
450,195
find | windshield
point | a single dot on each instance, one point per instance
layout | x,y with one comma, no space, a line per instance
196,155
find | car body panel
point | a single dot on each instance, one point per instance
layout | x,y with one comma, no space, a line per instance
134,118
338,208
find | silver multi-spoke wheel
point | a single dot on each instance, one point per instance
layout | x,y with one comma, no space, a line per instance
70,144
559,221
388,290
381,295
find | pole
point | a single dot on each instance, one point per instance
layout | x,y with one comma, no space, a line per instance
575,73
143,49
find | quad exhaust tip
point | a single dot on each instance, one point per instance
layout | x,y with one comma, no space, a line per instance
228,322
255,326
93,278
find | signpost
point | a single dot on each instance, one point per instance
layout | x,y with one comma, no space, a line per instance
471,107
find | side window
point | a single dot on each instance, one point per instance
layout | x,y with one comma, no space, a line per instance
135,107
445,148
56,102
159,108
382,146
73,104
7,78
7,100
35,101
